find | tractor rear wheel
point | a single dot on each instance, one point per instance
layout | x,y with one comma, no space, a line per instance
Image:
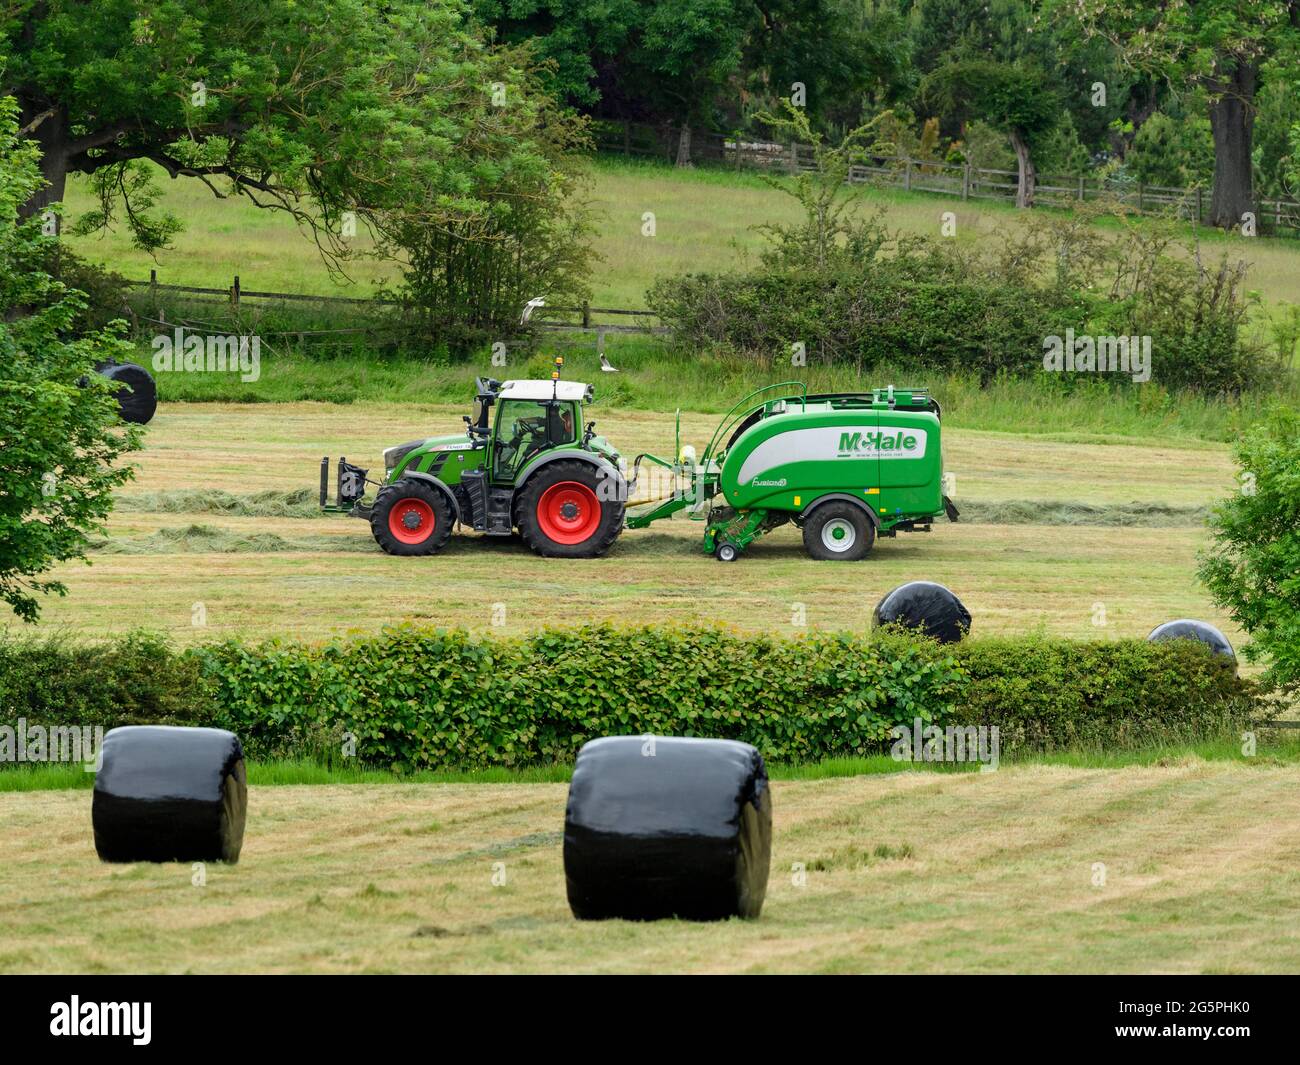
410,518
562,511
839,532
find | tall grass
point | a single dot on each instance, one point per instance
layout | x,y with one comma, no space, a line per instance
1275,749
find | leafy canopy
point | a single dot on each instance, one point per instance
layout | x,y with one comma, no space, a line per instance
1254,569
60,435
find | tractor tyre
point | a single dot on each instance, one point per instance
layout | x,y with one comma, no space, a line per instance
561,514
410,518
838,532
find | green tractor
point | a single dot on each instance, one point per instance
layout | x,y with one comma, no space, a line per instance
524,462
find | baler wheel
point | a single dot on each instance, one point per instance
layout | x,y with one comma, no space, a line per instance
726,551
839,532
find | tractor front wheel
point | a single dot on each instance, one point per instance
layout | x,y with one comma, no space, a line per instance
565,511
410,518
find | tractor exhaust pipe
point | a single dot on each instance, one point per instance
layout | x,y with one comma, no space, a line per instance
324,480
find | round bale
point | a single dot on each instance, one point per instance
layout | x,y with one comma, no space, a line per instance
667,827
165,794
1190,629
927,606
137,398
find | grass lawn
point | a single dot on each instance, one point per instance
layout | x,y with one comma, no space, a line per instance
311,577
704,220
906,872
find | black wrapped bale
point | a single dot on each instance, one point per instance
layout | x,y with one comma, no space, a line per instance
165,794
927,606
138,402
683,832
1188,629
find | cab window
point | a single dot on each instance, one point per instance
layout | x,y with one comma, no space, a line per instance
526,426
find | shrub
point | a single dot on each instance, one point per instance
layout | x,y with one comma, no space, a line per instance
877,297
1046,694
137,680
425,697
416,697
1254,568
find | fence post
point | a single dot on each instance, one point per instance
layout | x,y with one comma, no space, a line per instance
1081,188
627,138
794,156
1198,205
234,293
965,181
907,175
586,314
1141,187
153,286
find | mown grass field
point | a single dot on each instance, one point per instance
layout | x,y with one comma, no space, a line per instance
704,220
907,872
166,563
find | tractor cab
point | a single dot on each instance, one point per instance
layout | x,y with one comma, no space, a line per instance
531,417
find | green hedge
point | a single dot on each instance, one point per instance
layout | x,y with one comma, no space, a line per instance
423,697
137,680
418,697
1047,694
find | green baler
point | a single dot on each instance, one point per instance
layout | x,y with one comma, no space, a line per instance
843,467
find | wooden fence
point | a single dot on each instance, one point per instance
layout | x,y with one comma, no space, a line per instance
584,318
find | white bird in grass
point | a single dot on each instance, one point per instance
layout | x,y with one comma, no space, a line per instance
605,366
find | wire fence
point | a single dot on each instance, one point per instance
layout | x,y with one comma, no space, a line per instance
963,181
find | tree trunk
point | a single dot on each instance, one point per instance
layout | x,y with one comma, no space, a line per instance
1027,175
684,145
51,134
1232,121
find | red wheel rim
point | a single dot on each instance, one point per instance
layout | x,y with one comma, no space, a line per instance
568,512
411,521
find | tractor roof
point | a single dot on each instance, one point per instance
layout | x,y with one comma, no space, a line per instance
565,390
